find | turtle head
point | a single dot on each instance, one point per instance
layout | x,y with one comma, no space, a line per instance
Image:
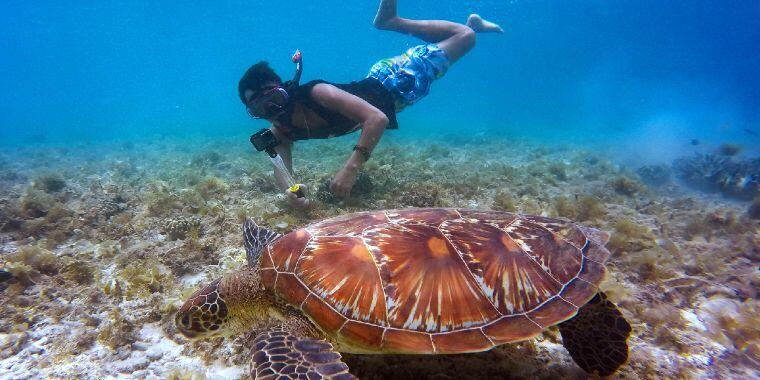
204,314
232,304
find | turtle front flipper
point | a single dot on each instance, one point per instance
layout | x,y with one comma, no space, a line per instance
279,354
597,336
255,238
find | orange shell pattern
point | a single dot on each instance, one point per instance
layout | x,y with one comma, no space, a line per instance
436,280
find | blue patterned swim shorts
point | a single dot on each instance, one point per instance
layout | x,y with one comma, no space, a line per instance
408,76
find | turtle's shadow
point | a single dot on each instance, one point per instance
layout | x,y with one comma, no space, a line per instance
506,362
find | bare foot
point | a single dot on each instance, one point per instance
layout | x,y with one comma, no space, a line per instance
482,26
385,14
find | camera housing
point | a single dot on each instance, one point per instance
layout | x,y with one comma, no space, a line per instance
265,141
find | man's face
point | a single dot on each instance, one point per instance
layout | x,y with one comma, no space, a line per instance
264,102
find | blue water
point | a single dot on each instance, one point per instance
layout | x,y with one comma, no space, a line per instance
647,75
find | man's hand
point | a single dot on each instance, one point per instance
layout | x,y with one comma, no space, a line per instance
296,202
343,182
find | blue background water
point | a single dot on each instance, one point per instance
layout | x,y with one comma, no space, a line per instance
643,76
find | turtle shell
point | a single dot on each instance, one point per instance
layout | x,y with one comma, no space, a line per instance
436,280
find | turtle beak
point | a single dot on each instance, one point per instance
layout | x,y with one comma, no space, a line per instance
182,322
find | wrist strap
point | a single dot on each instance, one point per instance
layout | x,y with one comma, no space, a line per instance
363,150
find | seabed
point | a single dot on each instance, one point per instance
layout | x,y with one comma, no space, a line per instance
104,242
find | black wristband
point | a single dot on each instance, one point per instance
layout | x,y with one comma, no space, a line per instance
363,150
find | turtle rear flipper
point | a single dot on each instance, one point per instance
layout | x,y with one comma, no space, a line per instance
597,336
280,353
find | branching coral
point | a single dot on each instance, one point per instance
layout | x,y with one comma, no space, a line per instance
709,172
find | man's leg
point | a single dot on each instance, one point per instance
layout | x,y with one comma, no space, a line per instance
455,39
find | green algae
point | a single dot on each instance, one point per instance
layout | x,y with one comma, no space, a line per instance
116,331
559,171
37,258
626,186
49,182
504,201
584,208
212,188
631,237
36,203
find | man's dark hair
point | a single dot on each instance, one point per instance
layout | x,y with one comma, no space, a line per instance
255,77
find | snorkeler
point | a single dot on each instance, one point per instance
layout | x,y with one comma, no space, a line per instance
319,109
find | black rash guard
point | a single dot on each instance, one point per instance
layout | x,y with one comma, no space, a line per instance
336,124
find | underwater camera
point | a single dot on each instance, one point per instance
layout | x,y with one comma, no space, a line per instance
265,141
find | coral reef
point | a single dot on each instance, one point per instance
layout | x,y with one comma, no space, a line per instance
712,173
94,267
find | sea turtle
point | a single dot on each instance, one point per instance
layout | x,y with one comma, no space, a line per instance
415,281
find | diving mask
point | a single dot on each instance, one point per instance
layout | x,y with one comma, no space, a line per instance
271,101
268,104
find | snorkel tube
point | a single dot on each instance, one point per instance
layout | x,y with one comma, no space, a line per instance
265,140
298,60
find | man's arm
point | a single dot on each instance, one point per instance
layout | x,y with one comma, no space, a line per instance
373,123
